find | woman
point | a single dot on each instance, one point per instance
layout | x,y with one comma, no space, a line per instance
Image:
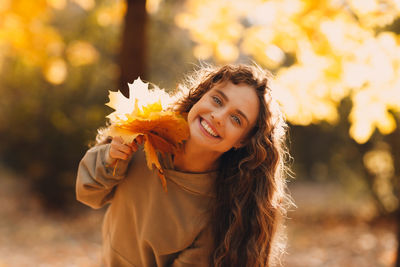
226,187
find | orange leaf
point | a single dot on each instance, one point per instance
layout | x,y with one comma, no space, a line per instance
152,157
145,113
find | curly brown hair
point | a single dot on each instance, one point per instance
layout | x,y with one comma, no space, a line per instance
251,195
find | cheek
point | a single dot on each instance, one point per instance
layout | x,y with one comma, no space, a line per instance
236,134
197,109
191,114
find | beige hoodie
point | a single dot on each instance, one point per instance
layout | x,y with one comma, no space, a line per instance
145,226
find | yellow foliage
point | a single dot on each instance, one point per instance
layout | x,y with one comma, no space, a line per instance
26,32
337,48
145,113
82,53
57,4
374,13
56,71
152,6
24,28
216,26
370,111
4,5
85,4
111,14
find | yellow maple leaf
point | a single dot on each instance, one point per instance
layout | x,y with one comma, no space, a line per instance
146,113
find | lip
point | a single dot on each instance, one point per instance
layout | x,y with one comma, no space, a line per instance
204,130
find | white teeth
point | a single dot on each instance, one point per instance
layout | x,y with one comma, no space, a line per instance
208,128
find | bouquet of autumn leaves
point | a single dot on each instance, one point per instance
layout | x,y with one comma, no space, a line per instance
146,112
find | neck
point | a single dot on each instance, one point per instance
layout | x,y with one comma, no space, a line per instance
191,159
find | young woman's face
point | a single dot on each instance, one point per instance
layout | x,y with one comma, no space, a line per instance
223,117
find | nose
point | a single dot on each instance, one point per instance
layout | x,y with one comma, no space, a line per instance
217,118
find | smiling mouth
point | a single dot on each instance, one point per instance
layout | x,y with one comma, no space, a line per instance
208,128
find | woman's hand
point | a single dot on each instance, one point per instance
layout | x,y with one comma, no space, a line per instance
119,150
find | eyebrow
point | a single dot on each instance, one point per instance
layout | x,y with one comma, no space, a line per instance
225,97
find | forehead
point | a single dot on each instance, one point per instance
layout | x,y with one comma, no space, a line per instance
240,96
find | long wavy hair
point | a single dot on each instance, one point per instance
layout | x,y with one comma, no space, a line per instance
251,196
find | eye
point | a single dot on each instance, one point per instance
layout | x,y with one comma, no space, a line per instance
236,120
217,100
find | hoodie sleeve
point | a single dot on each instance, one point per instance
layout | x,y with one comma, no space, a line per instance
95,183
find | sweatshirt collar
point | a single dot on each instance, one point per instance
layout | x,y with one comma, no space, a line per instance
196,183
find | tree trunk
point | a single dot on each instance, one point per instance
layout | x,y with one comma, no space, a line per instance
133,50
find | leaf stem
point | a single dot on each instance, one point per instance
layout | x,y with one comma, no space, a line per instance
115,167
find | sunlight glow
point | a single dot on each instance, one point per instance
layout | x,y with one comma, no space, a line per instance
152,6
215,25
275,54
379,162
202,52
5,5
369,111
57,4
82,53
264,14
56,71
85,4
111,15
227,52
364,6
337,49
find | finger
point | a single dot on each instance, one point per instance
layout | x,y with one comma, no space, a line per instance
121,148
124,148
116,154
133,146
118,140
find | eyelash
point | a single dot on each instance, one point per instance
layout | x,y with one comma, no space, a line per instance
217,100
235,118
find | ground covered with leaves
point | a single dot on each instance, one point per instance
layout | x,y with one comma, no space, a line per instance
321,232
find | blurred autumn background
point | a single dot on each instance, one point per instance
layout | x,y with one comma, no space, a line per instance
337,69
